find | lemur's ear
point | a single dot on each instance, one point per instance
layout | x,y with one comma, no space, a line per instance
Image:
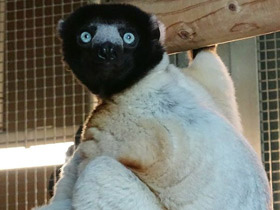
158,29
60,27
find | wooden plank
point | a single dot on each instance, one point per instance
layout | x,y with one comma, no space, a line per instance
192,24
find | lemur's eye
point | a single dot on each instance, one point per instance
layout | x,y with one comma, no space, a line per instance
128,38
85,37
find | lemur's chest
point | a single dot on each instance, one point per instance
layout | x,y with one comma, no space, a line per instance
129,118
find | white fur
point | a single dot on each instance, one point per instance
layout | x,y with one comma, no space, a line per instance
99,175
209,70
179,133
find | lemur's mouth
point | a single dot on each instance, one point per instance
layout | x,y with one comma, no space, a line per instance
109,64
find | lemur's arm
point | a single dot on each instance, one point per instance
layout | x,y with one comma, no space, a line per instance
100,183
62,199
107,184
209,70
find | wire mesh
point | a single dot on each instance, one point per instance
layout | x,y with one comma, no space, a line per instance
40,102
269,87
2,24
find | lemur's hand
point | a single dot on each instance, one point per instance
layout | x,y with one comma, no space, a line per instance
192,53
87,151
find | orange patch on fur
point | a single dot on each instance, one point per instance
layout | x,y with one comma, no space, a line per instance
131,164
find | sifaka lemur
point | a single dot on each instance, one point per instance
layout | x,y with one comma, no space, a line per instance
161,137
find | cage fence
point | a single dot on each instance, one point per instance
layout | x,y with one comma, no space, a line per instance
269,89
40,102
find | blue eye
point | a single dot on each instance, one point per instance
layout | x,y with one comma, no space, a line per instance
85,37
128,38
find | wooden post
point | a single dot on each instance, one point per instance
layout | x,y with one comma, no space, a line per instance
192,24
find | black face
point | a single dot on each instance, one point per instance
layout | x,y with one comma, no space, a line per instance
110,47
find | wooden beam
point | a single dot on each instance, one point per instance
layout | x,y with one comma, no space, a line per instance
193,24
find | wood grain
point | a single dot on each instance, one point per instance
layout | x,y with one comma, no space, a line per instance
197,23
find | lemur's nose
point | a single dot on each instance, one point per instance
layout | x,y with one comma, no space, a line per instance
108,52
